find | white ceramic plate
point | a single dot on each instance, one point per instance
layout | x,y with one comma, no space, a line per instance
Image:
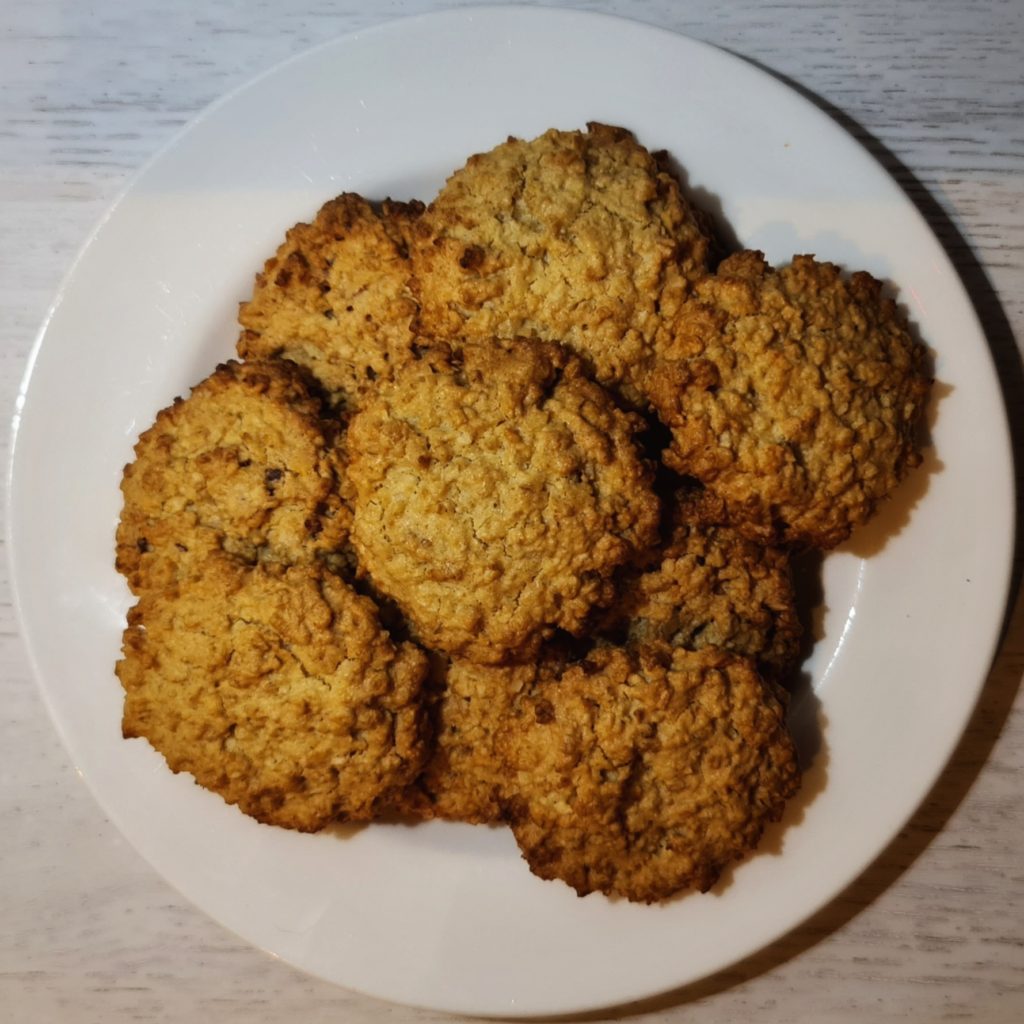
441,915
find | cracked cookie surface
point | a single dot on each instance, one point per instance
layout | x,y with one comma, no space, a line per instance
335,297
582,238
276,688
794,395
643,772
494,492
244,464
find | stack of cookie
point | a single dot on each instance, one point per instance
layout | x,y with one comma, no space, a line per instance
493,520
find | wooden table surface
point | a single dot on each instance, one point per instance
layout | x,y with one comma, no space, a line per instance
934,930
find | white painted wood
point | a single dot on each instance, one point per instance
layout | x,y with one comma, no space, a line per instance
933,931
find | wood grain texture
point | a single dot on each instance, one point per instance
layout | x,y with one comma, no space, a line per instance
933,931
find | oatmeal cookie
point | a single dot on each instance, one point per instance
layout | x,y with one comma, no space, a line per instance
643,772
494,492
463,777
335,297
712,587
582,238
794,395
244,464
277,688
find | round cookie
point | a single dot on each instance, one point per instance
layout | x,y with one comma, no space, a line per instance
276,688
794,395
494,492
335,297
244,464
582,238
644,772
712,587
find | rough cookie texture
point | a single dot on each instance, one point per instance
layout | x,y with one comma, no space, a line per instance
577,237
244,464
495,490
276,688
794,395
463,779
712,587
335,297
643,772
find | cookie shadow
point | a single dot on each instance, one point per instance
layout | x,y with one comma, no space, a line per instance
724,239
344,830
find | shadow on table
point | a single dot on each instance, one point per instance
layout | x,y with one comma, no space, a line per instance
1000,688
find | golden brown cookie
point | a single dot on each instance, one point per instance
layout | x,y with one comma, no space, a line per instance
794,395
276,688
494,492
244,464
643,772
335,297
712,587
577,237
463,778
